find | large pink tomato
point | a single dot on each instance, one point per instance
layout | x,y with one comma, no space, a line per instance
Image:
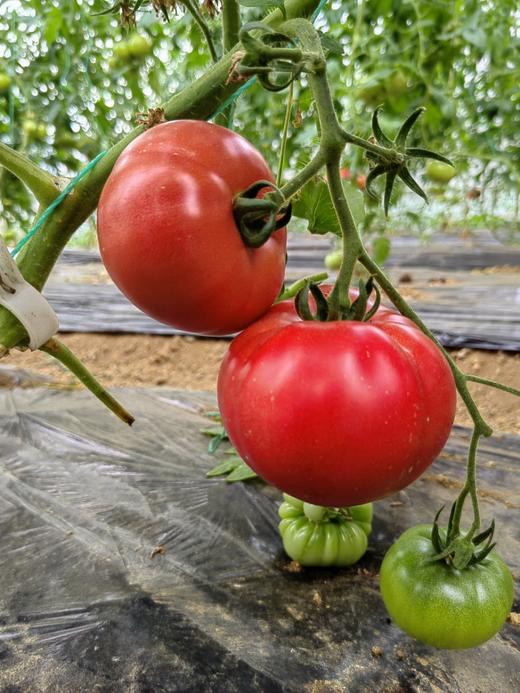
336,413
167,234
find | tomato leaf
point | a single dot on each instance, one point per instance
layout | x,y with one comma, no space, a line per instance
314,204
52,25
241,473
380,249
234,468
222,468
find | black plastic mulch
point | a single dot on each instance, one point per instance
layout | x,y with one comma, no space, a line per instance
125,569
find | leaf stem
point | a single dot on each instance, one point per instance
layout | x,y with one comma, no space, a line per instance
285,132
493,383
43,186
293,289
64,355
203,26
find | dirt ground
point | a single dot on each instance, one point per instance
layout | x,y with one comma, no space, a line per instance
191,363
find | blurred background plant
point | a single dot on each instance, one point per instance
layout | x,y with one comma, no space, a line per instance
73,76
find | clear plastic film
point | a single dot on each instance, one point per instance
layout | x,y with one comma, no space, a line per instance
124,568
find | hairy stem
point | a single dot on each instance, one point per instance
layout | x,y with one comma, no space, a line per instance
42,185
293,289
230,23
493,383
285,131
470,487
61,353
201,23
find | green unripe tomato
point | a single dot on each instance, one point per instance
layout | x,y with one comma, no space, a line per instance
121,51
324,537
41,131
438,604
5,82
396,83
30,127
439,172
333,260
372,95
139,46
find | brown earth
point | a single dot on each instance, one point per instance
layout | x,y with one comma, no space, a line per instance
191,363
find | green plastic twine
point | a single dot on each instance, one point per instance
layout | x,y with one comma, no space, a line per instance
50,209
231,100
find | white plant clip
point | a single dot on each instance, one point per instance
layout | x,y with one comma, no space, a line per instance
25,302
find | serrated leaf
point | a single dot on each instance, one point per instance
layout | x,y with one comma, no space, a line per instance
52,25
222,468
381,249
315,205
213,431
216,441
241,473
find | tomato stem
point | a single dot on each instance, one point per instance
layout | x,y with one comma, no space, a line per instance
201,22
493,383
64,355
43,186
285,132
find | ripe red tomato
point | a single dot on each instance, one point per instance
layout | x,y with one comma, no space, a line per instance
167,234
336,413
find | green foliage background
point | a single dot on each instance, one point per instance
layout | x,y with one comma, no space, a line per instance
70,95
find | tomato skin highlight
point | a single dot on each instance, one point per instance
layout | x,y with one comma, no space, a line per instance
437,604
167,234
336,413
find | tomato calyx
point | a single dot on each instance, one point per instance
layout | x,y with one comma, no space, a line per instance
273,57
257,218
460,551
397,169
360,310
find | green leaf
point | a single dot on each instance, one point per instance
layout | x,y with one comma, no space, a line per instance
213,431
241,473
315,205
222,468
52,25
235,468
381,249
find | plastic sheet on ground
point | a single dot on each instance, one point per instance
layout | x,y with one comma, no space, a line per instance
124,569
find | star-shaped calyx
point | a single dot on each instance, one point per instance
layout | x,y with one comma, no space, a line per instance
392,170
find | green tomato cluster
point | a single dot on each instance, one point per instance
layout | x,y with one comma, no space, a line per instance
136,47
324,537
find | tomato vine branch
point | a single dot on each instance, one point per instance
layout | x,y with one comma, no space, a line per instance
203,26
44,187
61,353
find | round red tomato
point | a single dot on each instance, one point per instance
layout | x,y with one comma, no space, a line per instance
336,413
167,234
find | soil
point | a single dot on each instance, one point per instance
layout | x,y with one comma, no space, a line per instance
192,364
